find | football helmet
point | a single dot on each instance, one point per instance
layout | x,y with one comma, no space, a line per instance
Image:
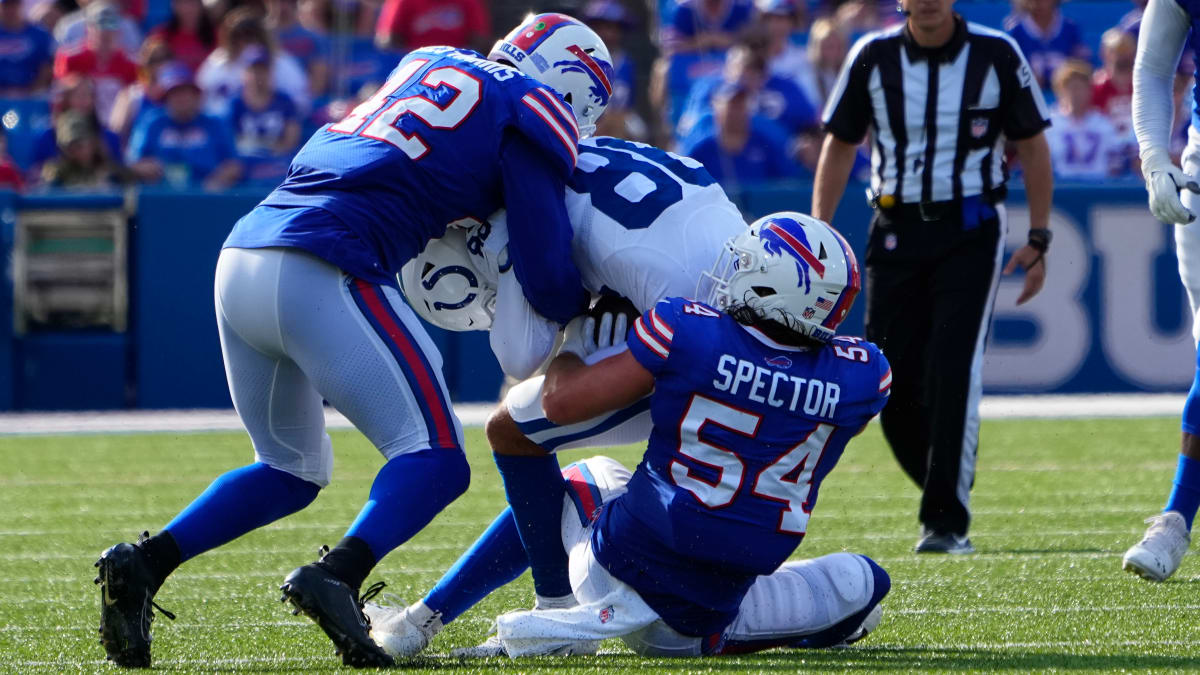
790,267
445,286
565,55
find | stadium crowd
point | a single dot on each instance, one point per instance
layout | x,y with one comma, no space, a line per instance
221,93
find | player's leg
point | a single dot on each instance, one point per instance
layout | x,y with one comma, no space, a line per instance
523,442
285,420
495,559
368,355
964,292
816,603
1158,554
898,320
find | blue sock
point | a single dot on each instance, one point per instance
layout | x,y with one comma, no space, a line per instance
535,489
1185,497
237,502
495,559
407,493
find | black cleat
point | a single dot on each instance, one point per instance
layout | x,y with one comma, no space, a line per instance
336,608
127,589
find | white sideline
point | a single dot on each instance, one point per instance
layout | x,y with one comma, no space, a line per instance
474,414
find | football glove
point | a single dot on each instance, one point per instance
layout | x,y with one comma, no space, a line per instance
1164,180
585,335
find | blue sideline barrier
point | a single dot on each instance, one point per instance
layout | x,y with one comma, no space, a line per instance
1113,316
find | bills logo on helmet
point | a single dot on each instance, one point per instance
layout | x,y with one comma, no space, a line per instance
600,71
778,361
777,240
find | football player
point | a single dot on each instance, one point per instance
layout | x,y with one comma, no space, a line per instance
308,309
648,224
1166,26
751,407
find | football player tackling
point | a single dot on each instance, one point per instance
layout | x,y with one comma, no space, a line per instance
1166,26
308,309
752,400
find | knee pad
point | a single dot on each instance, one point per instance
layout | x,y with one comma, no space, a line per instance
315,467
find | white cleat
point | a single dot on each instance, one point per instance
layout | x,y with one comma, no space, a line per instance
403,632
489,649
870,623
1158,554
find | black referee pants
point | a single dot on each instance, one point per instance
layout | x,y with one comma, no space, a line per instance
930,290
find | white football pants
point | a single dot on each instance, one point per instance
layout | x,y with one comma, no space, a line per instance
800,598
296,330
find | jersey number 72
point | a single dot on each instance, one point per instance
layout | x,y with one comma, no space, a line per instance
381,117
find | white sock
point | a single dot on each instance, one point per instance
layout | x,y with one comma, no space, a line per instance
561,602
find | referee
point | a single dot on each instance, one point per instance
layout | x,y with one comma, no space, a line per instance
940,97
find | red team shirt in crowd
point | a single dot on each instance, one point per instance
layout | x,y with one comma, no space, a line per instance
421,23
1115,102
110,76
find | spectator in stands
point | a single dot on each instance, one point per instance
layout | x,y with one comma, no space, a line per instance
71,30
83,160
782,21
189,33
705,25
861,16
72,94
10,173
827,47
220,77
181,144
1112,91
307,46
741,149
1184,98
1083,143
1045,36
140,98
26,53
1132,21
408,24
100,58
773,98
265,122
611,20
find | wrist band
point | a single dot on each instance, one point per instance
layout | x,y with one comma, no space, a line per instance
1040,238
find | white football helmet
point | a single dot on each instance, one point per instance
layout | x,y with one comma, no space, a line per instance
445,286
565,55
792,268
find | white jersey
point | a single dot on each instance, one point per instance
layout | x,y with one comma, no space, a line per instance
1087,148
647,224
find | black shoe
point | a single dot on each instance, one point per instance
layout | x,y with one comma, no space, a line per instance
943,542
127,588
336,608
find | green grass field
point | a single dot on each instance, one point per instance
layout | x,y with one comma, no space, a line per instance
1056,504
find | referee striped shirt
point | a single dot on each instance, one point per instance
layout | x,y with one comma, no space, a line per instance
938,117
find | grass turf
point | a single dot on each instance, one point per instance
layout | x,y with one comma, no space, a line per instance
1056,504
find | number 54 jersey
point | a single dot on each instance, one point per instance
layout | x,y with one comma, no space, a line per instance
745,430
425,151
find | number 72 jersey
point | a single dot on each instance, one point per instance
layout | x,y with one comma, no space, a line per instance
424,151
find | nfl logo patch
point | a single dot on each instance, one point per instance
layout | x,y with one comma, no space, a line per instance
606,614
809,312
979,127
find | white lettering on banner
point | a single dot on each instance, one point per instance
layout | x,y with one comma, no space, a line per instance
1063,335
1128,239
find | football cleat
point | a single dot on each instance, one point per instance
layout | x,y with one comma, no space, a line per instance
337,609
937,542
127,588
403,631
870,623
488,649
1161,549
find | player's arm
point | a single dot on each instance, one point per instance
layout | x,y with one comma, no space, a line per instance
574,392
539,233
1162,34
846,118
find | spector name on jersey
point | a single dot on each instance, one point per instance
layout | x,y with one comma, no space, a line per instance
777,388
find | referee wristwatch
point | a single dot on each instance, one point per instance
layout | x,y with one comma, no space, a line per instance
1039,240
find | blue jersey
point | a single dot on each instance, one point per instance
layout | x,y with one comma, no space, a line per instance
23,54
257,132
1192,7
449,138
1047,51
745,430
